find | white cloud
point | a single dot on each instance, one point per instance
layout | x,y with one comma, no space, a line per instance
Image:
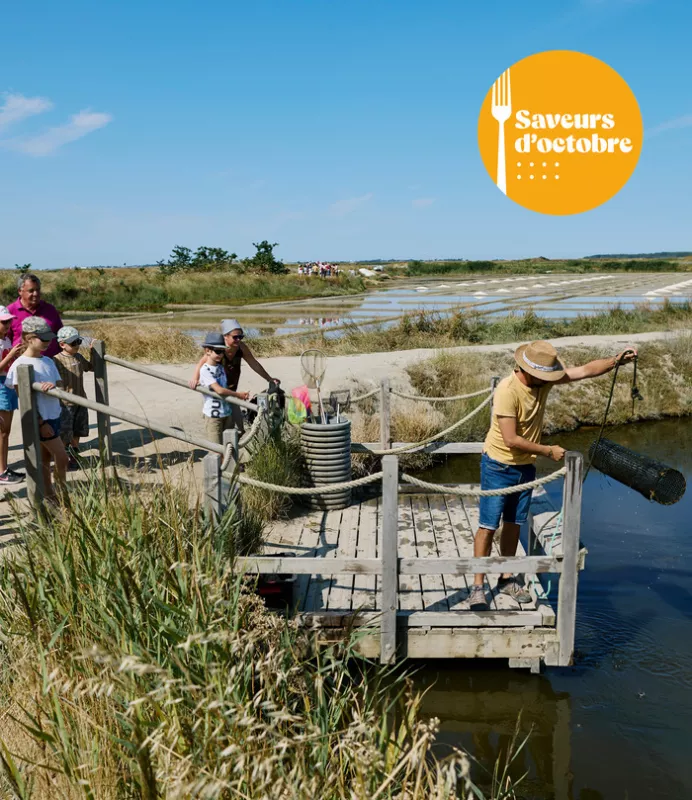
685,121
422,202
44,144
343,207
17,108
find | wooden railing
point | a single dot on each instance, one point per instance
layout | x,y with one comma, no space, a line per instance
389,566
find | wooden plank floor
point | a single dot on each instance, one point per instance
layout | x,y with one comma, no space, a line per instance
429,526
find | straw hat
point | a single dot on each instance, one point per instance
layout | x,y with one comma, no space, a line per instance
540,359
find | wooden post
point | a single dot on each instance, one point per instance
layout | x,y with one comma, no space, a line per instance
101,390
389,556
571,523
33,461
385,415
213,491
493,385
230,437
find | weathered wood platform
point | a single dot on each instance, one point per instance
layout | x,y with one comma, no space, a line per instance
433,617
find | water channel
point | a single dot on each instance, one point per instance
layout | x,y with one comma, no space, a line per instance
618,724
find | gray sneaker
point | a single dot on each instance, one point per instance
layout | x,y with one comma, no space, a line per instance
477,600
513,588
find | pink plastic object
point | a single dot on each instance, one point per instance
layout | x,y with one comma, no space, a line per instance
302,393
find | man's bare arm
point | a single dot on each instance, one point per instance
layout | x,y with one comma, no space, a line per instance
508,429
597,367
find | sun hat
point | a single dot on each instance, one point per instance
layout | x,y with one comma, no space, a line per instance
68,334
38,327
5,315
228,325
214,341
540,359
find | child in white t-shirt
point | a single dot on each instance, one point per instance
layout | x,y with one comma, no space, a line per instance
212,375
36,337
8,397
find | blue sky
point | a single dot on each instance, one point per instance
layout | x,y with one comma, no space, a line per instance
341,130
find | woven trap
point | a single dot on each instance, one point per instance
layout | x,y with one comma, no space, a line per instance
653,479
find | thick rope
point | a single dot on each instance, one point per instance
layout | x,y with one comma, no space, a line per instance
331,488
245,440
423,399
365,396
466,492
412,446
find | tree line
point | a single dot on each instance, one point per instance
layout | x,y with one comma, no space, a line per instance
216,259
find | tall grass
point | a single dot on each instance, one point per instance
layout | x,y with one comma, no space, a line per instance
143,341
148,289
664,377
433,330
136,665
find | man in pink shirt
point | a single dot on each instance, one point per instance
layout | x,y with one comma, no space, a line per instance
29,304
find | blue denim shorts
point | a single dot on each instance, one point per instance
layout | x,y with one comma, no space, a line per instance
8,397
509,507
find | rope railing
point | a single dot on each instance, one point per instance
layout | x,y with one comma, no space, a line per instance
422,398
365,396
413,445
470,491
316,491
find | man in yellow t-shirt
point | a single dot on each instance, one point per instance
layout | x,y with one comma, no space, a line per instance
511,447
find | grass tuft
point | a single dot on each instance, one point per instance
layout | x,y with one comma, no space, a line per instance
136,665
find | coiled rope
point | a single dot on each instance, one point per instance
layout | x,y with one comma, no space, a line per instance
412,446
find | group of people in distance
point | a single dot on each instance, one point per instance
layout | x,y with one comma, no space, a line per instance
32,332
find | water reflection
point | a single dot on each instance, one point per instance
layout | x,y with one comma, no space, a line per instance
617,724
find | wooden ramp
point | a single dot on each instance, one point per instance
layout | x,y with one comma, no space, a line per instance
433,617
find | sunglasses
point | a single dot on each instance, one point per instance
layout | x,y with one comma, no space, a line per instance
238,337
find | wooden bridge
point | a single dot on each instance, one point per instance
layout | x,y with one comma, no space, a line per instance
396,566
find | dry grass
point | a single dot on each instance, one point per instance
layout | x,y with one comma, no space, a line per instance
136,665
664,378
143,341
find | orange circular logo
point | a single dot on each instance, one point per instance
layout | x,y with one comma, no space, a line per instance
560,132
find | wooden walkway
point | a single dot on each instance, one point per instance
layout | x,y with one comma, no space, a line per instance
433,616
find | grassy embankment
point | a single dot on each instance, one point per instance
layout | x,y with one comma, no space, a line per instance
432,330
136,665
541,265
664,378
147,289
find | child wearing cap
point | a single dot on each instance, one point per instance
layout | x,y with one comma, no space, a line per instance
71,364
212,375
8,397
36,338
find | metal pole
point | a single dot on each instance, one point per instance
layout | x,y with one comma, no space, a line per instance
101,392
571,522
390,568
33,458
385,415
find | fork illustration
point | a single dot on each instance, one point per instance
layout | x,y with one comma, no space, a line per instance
501,111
